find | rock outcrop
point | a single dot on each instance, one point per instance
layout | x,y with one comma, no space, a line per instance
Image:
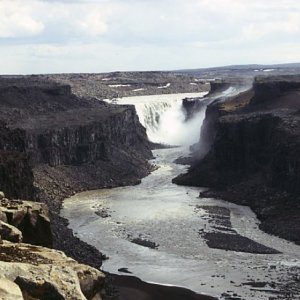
34,272
30,220
10,290
10,233
16,178
42,273
254,156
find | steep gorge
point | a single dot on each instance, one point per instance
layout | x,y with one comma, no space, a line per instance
254,154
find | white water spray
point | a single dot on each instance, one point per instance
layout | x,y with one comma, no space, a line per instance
164,118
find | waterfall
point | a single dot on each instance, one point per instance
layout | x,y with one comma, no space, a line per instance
164,118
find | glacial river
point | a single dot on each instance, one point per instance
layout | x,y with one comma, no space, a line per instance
165,214
171,216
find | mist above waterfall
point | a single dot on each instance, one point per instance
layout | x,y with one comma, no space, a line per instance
164,118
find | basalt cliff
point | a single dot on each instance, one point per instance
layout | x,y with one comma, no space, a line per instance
53,144
249,153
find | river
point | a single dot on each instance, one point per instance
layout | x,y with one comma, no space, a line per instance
171,216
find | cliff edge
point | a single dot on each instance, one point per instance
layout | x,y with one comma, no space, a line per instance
54,144
253,153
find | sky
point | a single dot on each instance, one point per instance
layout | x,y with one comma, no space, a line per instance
65,36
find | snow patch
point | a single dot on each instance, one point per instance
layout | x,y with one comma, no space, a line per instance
119,85
164,86
137,90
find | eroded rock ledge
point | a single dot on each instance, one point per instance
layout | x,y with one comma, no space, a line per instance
253,145
30,271
43,273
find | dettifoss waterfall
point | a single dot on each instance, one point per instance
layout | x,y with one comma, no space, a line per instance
171,216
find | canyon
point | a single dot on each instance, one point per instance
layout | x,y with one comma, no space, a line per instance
58,137
253,156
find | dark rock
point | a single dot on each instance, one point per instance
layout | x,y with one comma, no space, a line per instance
16,178
124,270
45,290
254,154
130,287
255,284
10,233
145,243
236,242
32,219
103,213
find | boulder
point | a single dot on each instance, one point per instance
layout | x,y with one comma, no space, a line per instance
43,273
31,218
9,290
2,196
10,233
3,217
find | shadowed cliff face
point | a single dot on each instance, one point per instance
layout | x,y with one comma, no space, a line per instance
16,178
83,136
269,90
62,129
255,153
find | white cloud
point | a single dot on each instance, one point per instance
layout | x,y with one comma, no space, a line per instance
94,22
48,51
69,35
57,20
16,20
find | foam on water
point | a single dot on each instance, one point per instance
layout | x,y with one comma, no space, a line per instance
164,118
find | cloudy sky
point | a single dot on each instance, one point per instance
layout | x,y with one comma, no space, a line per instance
54,36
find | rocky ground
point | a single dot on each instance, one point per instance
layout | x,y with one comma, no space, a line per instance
30,271
124,84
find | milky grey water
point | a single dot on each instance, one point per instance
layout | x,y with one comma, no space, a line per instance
165,213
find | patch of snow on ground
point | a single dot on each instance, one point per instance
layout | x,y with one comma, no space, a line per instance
164,86
137,90
119,85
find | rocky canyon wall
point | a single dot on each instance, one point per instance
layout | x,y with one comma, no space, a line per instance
54,144
254,157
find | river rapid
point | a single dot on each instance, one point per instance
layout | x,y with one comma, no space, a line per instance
171,216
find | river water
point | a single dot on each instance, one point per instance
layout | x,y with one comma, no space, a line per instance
170,216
